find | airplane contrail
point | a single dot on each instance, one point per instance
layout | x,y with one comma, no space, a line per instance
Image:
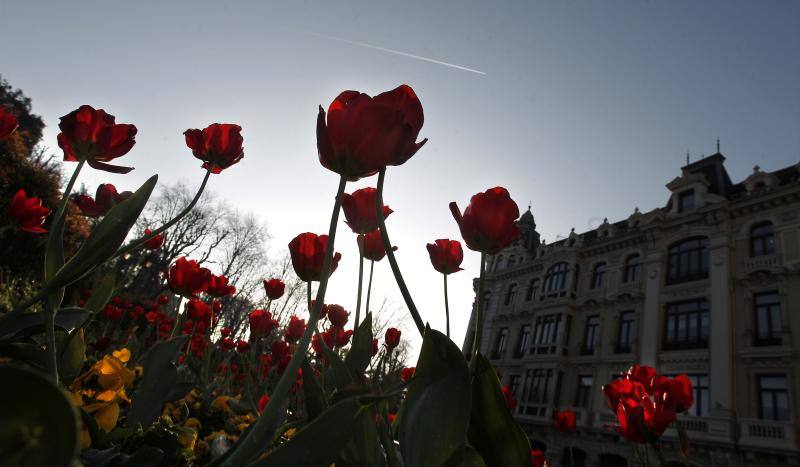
392,51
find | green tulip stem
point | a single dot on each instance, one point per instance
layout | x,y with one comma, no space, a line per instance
360,242
369,285
261,432
446,306
62,207
139,242
571,456
392,260
50,332
476,343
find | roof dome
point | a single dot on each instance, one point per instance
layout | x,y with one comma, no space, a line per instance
527,218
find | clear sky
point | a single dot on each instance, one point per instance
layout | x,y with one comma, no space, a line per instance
584,108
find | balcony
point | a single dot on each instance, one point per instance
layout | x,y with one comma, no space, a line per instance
767,434
768,262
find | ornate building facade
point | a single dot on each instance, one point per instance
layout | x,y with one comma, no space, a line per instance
708,285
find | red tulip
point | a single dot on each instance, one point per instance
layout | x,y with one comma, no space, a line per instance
677,391
327,337
446,255
295,329
8,123
218,145
564,421
392,338
279,349
308,253
340,336
261,323
27,213
391,417
226,343
622,389
538,459
364,134
511,400
407,373
645,375
198,310
187,278
104,199
489,223
274,288
337,315
113,313
218,286
359,210
373,246
242,346
162,299
642,421
262,403
93,134
155,242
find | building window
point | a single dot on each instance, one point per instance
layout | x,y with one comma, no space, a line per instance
512,294
511,261
768,318
762,239
700,386
632,267
627,330
498,262
546,330
524,340
502,341
487,298
591,335
540,386
533,291
599,276
556,279
687,325
513,384
686,201
773,396
688,261
583,395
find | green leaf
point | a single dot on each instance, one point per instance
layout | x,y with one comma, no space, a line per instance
72,353
432,425
364,447
39,424
101,294
360,353
319,442
315,398
472,458
26,352
105,239
20,325
338,370
157,382
493,432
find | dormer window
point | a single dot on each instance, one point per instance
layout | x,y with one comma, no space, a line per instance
686,201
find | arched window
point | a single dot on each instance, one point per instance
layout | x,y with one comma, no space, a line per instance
533,291
511,261
556,279
599,276
688,260
632,268
487,298
762,239
498,262
512,294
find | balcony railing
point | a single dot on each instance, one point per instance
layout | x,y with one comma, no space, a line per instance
767,434
762,262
